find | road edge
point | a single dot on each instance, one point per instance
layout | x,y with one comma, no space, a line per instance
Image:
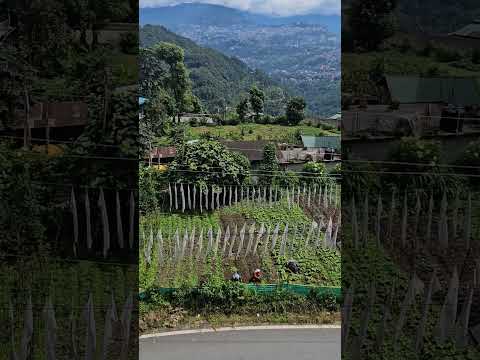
239,328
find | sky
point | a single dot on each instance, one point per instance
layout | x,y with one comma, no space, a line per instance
270,7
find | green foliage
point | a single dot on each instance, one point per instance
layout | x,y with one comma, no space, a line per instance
445,55
432,176
242,109
257,100
337,170
325,300
129,43
269,165
288,179
209,162
150,181
295,110
471,159
230,298
25,205
371,22
315,173
217,79
251,132
269,216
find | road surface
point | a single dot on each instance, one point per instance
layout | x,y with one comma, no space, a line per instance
298,344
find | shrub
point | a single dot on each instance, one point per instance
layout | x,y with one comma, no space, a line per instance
324,300
129,43
447,55
430,177
316,173
288,179
471,157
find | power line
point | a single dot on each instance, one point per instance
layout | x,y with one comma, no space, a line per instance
411,164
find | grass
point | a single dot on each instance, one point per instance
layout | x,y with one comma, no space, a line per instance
251,132
125,68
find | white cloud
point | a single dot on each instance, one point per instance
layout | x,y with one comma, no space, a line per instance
272,7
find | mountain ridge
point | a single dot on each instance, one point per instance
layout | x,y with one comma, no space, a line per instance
217,79
218,15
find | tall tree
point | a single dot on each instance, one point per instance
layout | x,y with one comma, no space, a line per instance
269,166
242,109
295,111
257,101
162,67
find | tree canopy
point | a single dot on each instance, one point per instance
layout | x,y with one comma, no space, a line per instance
295,111
209,162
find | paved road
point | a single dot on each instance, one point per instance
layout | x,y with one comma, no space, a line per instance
302,344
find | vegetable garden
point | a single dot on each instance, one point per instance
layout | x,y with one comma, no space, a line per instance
194,243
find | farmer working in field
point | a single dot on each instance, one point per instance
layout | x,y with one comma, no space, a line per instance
257,276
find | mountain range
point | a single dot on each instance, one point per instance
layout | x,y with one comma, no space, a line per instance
298,52
218,80
217,15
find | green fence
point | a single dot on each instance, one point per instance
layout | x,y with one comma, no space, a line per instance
303,290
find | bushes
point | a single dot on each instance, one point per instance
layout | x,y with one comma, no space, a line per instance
150,181
431,176
229,298
324,300
471,158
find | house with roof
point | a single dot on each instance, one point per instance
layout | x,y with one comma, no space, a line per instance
61,120
470,31
253,150
161,155
457,91
419,106
321,142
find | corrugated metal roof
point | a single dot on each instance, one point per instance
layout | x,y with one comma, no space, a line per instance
472,30
331,142
253,150
457,91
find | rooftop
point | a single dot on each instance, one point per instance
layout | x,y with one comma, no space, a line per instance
253,150
471,31
331,142
412,89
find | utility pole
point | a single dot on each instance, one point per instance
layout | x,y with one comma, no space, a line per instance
26,121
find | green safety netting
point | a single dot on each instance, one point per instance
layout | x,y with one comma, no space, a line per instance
269,288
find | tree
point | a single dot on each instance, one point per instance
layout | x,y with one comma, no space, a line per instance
242,110
209,162
257,101
156,120
371,22
269,165
162,68
295,110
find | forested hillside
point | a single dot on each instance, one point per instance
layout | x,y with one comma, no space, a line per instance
302,53
218,80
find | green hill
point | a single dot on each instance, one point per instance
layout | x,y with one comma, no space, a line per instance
218,80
